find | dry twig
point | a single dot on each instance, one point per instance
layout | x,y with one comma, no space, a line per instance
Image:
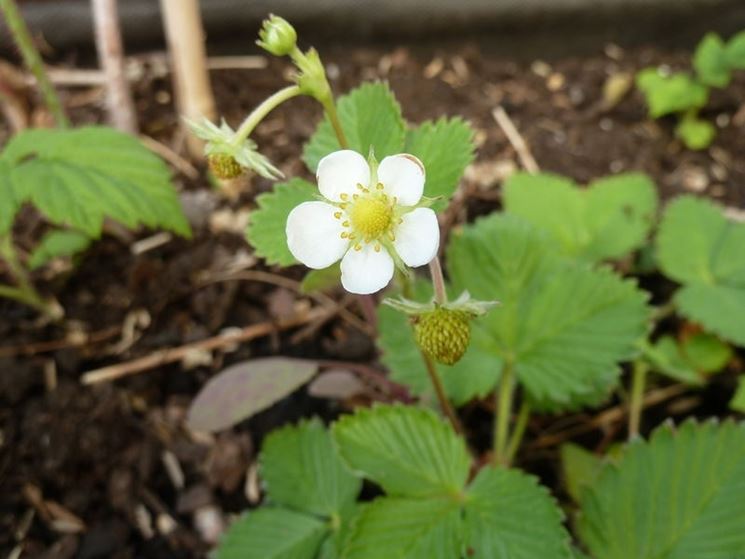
515,138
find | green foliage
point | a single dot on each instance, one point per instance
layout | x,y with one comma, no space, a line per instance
446,148
580,469
695,132
321,280
706,353
670,94
710,61
9,206
76,178
700,248
680,495
735,51
371,119
266,229
607,220
563,325
58,243
738,400
303,471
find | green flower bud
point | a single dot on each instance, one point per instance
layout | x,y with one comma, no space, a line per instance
224,166
277,36
443,334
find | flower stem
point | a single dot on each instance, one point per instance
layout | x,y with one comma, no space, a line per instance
32,59
260,112
440,393
502,413
330,107
517,434
438,281
638,383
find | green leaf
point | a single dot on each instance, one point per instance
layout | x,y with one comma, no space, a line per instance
266,228
408,451
446,148
370,117
303,471
8,206
474,376
610,218
79,177
695,132
508,515
737,402
700,248
666,357
564,325
580,469
706,353
246,388
710,61
678,496
321,280
400,528
58,243
670,94
735,51
272,533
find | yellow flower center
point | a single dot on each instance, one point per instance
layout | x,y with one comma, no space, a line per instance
370,216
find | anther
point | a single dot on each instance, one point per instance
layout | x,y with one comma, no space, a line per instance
345,223
337,215
344,235
377,248
358,247
380,186
344,196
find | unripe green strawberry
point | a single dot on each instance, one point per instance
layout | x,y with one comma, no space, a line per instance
224,166
443,334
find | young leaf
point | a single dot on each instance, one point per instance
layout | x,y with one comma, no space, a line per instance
695,133
737,402
700,248
509,516
266,228
446,148
58,243
408,451
710,61
706,353
321,280
735,51
563,325
670,94
404,528
580,468
370,117
666,357
303,471
679,495
246,388
8,206
272,533
607,220
79,177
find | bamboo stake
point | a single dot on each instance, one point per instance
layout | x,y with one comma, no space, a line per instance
111,58
183,26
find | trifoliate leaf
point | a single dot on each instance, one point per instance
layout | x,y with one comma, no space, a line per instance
509,516
408,451
670,94
610,218
370,117
474,376
580,468
8,206
563,325
56,244
737,402
401,528
678,496
266,228
710,61
303,471
702,249
79,177
446,148
695,133
272,533
735,51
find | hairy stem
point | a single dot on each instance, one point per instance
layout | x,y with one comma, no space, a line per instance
505,392
260,112
438,281
638,383
330,107
440,393
23,291
32,59
517,434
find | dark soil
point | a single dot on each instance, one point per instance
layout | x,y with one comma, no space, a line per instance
84,471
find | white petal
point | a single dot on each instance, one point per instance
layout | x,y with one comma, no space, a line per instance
418,237
403,177
366,271
314,235
341,172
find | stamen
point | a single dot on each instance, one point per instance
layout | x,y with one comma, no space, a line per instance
337,215
344,235
355,196
380,186
344,196
345,223
358,247
343,206
377,248
391,235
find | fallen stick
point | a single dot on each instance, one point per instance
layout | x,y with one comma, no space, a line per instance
515,138
171,355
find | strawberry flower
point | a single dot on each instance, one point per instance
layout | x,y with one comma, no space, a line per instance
370,216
